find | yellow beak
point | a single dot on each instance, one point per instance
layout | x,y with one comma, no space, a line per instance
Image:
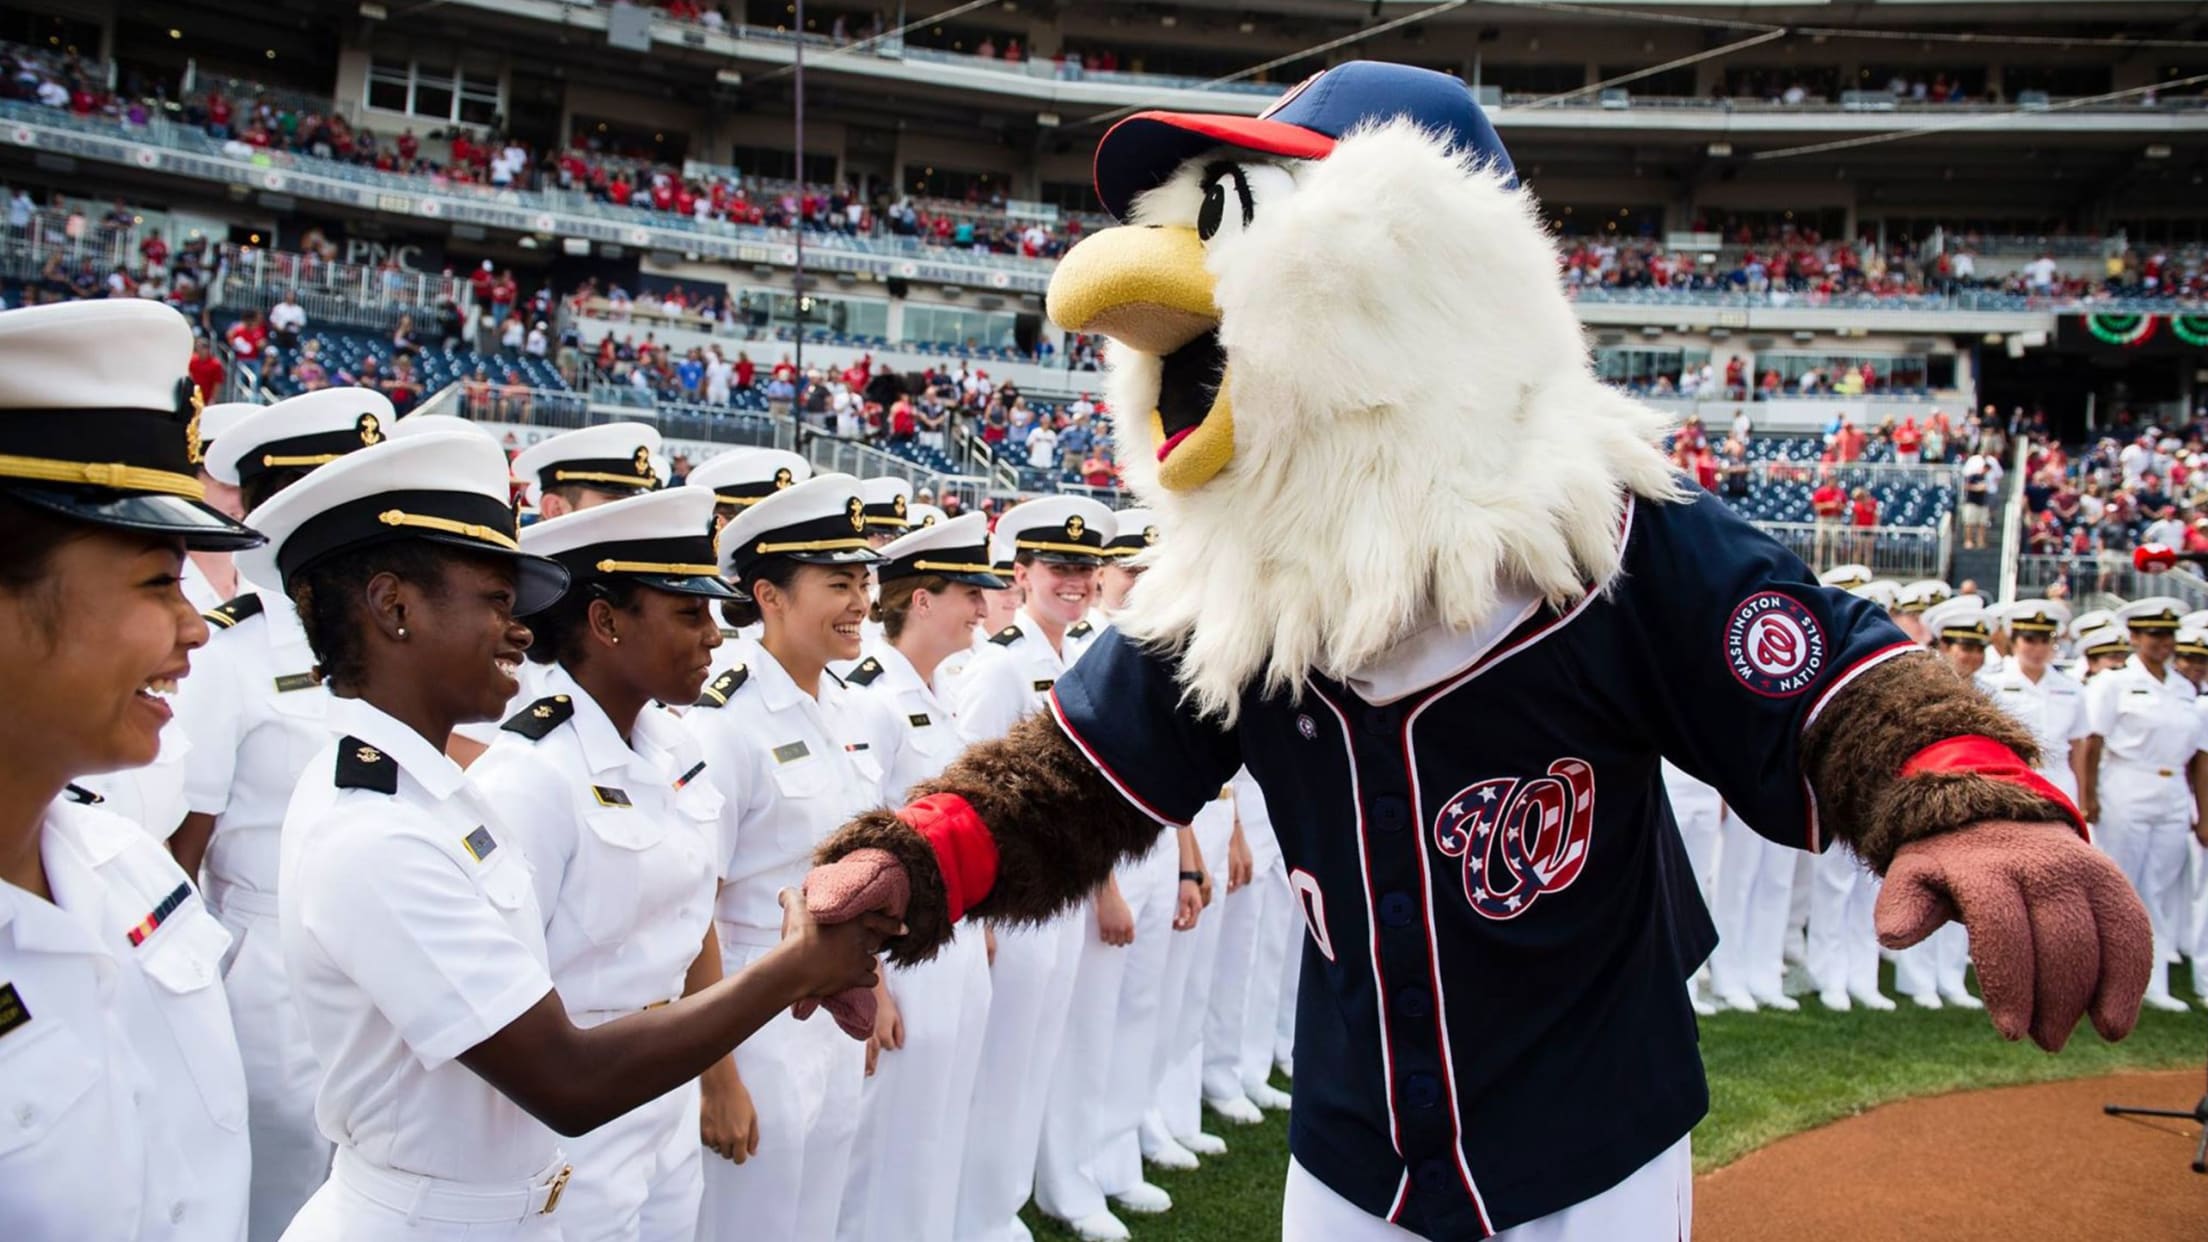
1145,286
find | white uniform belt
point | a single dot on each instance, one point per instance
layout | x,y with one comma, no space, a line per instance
754,937
238,899
436,1199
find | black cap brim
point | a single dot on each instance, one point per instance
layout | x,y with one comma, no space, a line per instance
694,584
539,581
202,528
1070,558
987,582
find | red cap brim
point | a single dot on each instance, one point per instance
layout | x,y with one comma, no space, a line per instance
1140,152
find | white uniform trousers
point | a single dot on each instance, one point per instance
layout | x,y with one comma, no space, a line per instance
1242,917
2148,844
904,1166
1291,979
2193,938
363,1202
1179,1095
1031,988
1934,966
1843,940
1099,1089
1755,883
641,1176
291,1158
1279,927
1653,1204
804,1080
1170,1048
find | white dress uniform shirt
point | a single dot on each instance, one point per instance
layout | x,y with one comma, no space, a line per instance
122,1103
621,837
2149,729
1009,676
412,933
151,796
792,770
256,714
2053,708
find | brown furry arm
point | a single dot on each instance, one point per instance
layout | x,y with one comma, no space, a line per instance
1853,756
1058,826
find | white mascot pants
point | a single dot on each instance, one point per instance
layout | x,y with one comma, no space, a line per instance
1653,1204
904,1163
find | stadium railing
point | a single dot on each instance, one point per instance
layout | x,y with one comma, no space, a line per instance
832,454
1905,552
2091,575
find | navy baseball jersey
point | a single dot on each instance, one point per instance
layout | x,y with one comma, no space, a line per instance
1497,902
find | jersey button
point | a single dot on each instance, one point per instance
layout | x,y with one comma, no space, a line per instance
1432,1174
1396,909
1390,813
1413,1003
1422,1090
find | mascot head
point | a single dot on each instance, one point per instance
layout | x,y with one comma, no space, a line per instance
1345,372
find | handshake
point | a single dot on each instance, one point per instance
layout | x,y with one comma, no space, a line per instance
868,887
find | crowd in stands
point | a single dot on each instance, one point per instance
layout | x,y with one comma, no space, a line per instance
464,157
2138,484
1804,263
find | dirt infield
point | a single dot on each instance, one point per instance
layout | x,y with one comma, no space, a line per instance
2039,1161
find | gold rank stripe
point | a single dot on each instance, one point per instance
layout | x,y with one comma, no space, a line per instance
656,567
118,475
399,517
1045,545
810,545
271,461
602,476
953,567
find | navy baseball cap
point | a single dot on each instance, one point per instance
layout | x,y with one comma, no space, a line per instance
1140,152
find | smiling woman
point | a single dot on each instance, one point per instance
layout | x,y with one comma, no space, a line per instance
107,974
409,911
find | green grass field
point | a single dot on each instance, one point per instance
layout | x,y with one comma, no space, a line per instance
1771,1075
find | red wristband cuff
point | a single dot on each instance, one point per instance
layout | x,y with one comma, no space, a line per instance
1982,756
965,852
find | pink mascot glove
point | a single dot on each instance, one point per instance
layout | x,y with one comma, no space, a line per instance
840,891
2055,929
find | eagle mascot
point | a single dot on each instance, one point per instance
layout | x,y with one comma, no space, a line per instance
1439,591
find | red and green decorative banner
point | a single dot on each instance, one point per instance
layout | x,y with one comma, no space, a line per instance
2191,329
2127,331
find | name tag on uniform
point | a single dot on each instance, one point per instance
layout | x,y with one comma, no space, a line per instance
2143,694
690,775
1043,683
13,1012
919,720
296,681
790,753
609,797
479,844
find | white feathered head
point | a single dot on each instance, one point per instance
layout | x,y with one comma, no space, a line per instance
1345,373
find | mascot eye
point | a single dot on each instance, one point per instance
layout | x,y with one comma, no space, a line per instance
1233,193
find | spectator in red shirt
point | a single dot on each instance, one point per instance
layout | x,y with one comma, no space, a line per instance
1097,470
1829,502
1849,443
503,296
1736,375
746,371
153,250
248,337
206,370
902,425
1864,511
1907,442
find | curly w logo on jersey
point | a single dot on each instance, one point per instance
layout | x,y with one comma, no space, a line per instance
1520,839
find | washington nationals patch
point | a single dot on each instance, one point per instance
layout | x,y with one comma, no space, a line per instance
1774,645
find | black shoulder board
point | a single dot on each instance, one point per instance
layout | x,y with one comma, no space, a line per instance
361,766
540,717
864,675
725,685
1079,629
82,796
1006,637
230,612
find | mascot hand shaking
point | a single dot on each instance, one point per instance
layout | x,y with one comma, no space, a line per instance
1439,591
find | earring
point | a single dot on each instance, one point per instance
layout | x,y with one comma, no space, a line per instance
402,632
617,640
